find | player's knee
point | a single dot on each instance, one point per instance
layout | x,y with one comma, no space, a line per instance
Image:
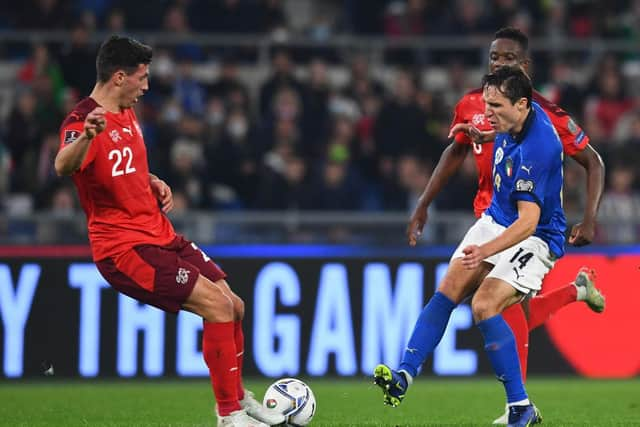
218,307
483,308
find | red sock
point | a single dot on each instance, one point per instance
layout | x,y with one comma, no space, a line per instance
515,318
238,337
541,307
219,351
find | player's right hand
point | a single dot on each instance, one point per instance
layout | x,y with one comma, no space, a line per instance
477,136
95,122
416,224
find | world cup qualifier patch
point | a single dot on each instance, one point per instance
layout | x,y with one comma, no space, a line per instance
70,136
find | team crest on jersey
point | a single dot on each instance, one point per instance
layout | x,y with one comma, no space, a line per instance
497,181
70,136
499,155
115,136
183,276
508,166
477,119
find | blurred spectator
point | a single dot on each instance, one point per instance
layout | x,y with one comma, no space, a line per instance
188,91
400,128
282,77
610,101
232,162
336,187
621,205
42,14
232,16
228,85
627,131
116,21
362,84
78,61
24,134
285,187
40,64
271,17
561,90
316,107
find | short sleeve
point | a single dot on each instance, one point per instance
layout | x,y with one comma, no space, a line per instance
458,117
69,133
531,178
573,138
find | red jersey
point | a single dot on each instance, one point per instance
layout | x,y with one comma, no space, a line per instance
470,109
113,184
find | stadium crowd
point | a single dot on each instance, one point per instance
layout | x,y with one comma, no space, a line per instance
319,129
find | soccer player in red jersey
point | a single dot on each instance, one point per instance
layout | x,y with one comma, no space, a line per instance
510,48
133,243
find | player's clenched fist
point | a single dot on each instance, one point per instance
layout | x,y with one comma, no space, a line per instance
95,122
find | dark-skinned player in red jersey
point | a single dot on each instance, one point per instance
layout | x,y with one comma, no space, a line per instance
472,132
133,243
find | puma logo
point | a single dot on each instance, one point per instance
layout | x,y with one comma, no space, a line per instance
127,130
518,275
526,169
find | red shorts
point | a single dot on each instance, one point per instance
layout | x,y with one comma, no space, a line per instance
162,276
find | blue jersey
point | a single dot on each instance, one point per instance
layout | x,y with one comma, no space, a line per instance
529,167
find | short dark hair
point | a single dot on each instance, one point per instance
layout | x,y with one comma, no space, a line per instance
121,53
514,34
513,83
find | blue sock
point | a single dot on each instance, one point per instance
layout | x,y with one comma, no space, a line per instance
500,346
427,332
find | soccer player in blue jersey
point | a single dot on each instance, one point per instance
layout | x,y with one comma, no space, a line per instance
508,251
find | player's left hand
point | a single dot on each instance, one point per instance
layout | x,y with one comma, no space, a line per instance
582,233
163,193
473,256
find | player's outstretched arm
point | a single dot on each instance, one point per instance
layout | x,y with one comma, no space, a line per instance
450,161
523,227
70,158
477,136
583,232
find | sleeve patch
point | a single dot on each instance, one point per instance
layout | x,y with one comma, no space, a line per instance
524,185
70,136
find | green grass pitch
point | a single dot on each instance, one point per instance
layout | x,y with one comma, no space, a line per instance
430,402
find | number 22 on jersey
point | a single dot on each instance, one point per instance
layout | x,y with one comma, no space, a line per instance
122,161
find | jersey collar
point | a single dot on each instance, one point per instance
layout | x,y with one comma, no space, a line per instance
526,126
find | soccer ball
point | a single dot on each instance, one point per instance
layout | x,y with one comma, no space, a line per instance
293,398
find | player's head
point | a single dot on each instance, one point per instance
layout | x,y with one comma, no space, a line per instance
510,48
507,95
124,63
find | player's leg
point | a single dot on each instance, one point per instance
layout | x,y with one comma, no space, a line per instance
518,272
517,321
190,252
159,277
491,298
543,306
428,330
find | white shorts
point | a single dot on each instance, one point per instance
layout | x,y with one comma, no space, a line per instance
523,266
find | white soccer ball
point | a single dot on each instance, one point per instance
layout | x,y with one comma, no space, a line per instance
293,398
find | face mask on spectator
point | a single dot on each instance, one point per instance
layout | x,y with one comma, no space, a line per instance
171,114
237,128
215,118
